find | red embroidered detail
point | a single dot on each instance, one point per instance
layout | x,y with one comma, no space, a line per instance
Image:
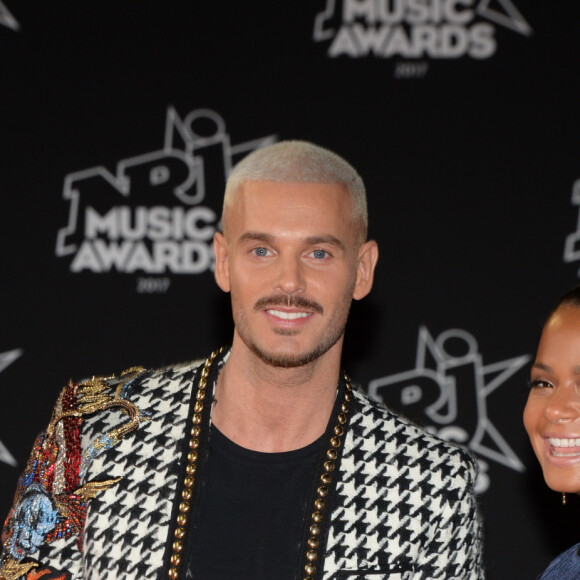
47,574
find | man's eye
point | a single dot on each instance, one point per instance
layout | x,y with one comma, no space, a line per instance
320,254
260,252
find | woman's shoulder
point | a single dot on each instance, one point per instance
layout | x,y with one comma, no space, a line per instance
565,566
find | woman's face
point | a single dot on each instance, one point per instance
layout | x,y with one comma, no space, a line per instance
552,413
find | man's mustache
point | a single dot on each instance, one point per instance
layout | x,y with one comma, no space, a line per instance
288,301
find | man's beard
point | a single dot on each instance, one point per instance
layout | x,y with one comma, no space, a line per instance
335,330
294,361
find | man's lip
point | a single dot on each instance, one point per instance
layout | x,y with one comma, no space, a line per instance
289,314
288,304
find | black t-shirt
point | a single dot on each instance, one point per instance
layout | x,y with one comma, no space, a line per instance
249,519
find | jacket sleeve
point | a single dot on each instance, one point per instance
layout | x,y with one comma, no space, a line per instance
42,535
456,552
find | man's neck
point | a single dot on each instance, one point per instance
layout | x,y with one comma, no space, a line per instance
273,409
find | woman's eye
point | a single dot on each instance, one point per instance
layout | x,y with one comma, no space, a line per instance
539,384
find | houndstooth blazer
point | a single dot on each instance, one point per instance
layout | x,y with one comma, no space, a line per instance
105,485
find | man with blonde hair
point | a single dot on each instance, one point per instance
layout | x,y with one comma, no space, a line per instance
264,461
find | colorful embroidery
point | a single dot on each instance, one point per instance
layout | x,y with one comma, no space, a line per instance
13,569
50,502
47,574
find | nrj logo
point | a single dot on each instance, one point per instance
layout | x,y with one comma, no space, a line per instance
7,358
447,392
414,29
572,244
148,216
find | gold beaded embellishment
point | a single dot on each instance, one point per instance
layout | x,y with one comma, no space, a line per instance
315,529
323,489
190,469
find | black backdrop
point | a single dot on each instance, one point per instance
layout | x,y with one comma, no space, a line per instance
120,121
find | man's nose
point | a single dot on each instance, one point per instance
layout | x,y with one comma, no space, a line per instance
290,275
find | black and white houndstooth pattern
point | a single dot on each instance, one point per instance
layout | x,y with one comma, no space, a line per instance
404,504
127,525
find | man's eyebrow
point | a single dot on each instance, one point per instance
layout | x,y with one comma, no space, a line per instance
257,237
309,241
325,239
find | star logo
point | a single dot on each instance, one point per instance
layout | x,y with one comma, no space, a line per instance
6,18
504,13
6,359
448,391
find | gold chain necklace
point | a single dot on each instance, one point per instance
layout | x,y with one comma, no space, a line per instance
319,504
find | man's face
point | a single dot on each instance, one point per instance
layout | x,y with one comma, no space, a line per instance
290,259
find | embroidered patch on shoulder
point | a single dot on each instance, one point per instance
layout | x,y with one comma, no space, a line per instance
47,574
50,501
31,571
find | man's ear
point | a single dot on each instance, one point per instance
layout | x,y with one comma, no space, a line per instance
222,271
368,255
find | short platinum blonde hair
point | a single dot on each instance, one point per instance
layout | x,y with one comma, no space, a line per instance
300,162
